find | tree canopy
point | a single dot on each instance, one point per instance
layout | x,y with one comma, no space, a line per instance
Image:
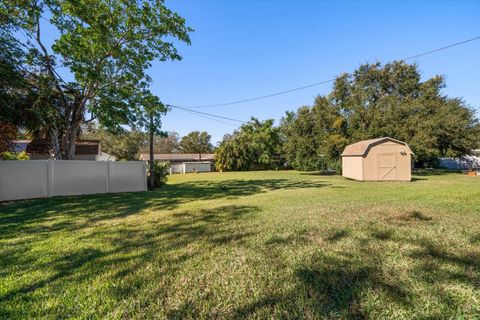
166,143
254,146
376,101
125,145
196,142
104,46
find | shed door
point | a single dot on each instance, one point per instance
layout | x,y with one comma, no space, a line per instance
386,166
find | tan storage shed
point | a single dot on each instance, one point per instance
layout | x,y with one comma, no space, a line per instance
381,159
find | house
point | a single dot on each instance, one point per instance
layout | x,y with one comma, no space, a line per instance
84,150
381,159
471,161
184,162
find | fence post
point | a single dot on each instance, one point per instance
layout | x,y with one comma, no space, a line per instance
50,178
108,176
145,175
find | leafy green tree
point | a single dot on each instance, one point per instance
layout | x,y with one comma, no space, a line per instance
391,100
124,145
380,100
28,98
168,143
256,145
196,142
314,137
106,46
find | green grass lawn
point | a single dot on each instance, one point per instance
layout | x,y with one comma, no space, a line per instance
247,245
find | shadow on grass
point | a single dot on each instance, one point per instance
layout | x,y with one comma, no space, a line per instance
434,172
336,285
319,173
329,287
82,211
128,250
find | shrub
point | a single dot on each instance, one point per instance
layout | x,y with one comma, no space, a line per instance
160,172
8,155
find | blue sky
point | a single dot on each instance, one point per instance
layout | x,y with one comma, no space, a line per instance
244,49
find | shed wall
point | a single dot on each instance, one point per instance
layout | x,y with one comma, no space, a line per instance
352,167
372,164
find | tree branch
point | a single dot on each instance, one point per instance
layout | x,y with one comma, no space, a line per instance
50,68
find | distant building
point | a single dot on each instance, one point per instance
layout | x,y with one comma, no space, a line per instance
84,150
184,162
463,163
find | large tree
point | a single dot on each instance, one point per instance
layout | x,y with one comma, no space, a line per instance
256,145
166,143
313,137
97,65
381,100
196,142
124,145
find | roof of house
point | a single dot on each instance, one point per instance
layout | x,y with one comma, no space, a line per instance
178,157
361,148
82,147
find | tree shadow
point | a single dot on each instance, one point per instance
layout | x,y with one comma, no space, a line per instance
415,179
78,212
410,217
127,250
434,172
335,285
318,173
328,287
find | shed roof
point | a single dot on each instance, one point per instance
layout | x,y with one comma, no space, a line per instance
361,148
178,157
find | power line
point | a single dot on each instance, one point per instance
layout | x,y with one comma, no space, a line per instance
204,113
261,97
322,82
208,117
440,49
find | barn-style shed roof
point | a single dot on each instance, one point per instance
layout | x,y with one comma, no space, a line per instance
361,148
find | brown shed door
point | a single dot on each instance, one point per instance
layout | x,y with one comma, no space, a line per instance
386,166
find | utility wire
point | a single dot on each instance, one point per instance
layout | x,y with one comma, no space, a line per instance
440,49
262,97
208,117
321,82
204,113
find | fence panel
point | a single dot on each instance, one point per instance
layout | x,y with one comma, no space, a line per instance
73,177
23,179
46,178
127,176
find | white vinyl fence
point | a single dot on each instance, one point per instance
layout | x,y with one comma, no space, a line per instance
48,178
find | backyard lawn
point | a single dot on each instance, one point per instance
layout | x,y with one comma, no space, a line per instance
248,245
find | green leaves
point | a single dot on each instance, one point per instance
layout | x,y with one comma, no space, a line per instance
377,101
107,46
255,146
196,142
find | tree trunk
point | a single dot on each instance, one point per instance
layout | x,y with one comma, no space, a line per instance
152,159
71,138
55,146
